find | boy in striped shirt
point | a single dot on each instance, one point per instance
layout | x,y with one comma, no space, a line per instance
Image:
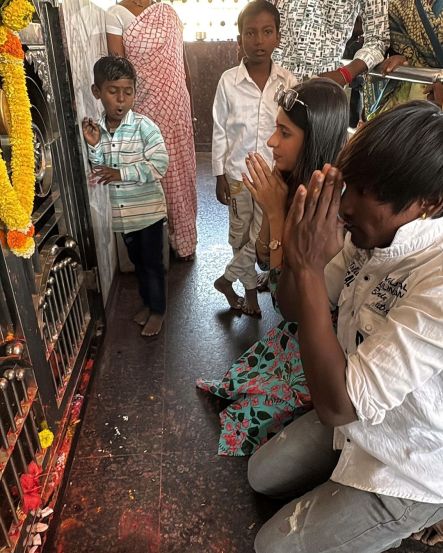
127,152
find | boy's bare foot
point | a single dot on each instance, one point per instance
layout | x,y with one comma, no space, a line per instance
262,281
153,325
251,306
431,535
142,316
224,286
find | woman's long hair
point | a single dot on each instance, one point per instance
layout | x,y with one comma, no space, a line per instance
325,123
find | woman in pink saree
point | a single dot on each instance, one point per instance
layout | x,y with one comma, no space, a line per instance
150,35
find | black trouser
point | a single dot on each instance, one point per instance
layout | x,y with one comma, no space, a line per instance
145,250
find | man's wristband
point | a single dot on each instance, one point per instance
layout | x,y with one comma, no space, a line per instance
346,74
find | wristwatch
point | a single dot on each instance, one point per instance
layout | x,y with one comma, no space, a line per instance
274,245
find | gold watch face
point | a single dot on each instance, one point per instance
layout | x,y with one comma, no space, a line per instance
274,244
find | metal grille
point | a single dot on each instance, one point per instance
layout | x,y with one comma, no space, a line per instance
18,440
62,309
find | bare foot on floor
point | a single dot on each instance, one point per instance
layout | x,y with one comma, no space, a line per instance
263,281
251,306
431,535
142,316
224,286
154,325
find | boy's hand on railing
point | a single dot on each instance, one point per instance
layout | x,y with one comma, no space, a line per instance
105,175
91,131
222,190
391,63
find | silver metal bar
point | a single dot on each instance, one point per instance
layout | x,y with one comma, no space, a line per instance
67,341
59,355
4,435
53,285
77,301
64,350
5,441
49,321
20,375
50,303
74,309
57,276
70,335
76,322
5,532
70,325
75,267
3,387
16,476
54,381
9,374
423,75
59,374
58,272
63,271
10,501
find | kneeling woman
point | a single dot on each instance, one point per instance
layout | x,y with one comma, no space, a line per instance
267,384
366,463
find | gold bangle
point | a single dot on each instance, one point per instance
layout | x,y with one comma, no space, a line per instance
260,241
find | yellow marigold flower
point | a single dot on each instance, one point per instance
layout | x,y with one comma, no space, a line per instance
17,14
3,34
17,198
46,438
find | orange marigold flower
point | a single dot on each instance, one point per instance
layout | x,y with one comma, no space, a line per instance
12,46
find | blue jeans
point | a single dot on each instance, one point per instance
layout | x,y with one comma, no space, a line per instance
145,250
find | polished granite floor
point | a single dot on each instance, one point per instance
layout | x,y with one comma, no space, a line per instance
146,477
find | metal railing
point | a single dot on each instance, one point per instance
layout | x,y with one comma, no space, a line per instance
423,75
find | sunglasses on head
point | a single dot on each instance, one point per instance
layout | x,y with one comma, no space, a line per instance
287,98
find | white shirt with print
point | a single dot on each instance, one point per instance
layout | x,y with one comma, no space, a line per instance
314,33
391,327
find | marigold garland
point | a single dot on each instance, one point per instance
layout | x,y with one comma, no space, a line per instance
17,199
17,14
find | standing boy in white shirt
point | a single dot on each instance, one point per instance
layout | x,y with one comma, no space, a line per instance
244,116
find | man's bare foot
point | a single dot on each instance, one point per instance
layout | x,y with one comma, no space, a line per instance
262,281
142,316
153,325
251,306
224,286
431,535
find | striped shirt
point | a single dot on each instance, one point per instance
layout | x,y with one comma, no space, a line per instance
137,149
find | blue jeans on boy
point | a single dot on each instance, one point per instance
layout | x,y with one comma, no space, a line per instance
145,250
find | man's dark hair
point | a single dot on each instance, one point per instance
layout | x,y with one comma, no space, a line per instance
254,8
325,124
398,156
113,68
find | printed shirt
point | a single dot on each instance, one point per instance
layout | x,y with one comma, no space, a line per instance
244,118
391,327
314,33
137,149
